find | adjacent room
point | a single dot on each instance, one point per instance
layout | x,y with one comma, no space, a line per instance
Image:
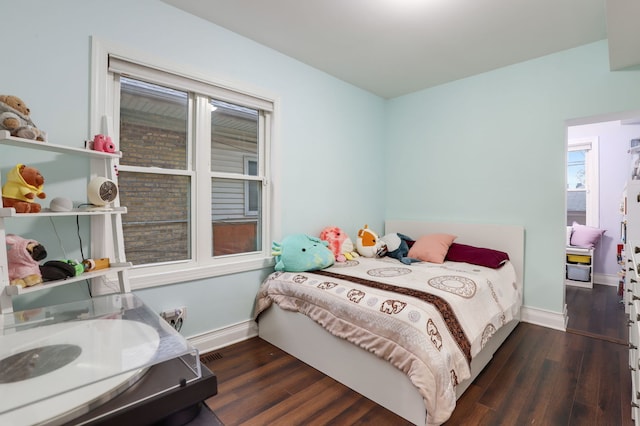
172,170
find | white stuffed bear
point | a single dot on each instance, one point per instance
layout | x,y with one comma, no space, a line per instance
14,117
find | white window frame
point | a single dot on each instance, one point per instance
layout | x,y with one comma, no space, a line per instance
247,210
104,104
592,178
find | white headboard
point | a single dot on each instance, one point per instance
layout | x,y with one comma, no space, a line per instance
507,238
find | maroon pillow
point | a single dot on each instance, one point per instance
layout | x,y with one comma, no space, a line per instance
476,255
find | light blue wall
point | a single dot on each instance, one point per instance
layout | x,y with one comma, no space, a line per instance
491,148
331,133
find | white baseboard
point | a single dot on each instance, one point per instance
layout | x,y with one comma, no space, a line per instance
605,279
582,284
549,319
216,339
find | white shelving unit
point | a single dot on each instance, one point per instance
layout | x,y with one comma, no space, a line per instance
118,335
630,261
579,267
99,218
632,300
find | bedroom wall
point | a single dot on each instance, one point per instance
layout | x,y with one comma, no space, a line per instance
331,133
491,148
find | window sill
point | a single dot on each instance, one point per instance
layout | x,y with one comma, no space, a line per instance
142,279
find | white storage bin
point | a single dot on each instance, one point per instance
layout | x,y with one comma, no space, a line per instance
579,273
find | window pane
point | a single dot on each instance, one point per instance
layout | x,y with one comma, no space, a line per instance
576,207
234,134
576,170
252,198
157,225
153,125
235,231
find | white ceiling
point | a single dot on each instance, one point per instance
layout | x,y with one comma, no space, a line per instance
395,47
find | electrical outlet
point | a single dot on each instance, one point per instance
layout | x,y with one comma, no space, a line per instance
175,317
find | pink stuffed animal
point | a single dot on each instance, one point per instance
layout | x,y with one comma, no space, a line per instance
23,257
339,243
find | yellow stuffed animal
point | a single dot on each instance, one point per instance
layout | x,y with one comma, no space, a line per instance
14,117
23,185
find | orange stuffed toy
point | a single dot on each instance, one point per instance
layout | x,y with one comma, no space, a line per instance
23,185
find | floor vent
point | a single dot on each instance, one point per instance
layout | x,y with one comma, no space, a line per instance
210,357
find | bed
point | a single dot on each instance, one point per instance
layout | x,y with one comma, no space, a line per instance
394,374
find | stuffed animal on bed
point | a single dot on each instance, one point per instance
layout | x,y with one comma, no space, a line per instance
369,244
339,243
398,246
300,252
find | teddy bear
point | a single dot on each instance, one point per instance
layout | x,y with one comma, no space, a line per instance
14,117
23,185
339,243
22,258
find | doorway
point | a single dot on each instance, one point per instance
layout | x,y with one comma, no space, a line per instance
598,311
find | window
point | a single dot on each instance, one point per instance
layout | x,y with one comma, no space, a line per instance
582,182
194,174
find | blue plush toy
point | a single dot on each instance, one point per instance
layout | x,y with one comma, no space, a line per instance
398,247
300,252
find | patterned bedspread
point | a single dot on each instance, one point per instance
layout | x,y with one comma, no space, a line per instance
429,320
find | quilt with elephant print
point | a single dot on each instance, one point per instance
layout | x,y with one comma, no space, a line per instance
429,320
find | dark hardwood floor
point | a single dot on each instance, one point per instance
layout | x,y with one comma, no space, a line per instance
597,312
539,376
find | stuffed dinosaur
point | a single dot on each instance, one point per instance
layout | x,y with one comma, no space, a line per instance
300,252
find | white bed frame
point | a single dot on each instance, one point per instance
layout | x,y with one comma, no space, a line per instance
364,372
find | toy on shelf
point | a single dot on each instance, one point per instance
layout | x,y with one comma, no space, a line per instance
22,257
103,143
339,243
14,117
60,269
23,185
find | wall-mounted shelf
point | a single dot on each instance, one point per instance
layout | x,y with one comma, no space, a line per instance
11,212
14,290
7,139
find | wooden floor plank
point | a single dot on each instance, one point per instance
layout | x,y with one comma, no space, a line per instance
596,311
612,387
515,382
566,355
313,398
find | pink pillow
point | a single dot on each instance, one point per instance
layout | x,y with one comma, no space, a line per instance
585,236
432,248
